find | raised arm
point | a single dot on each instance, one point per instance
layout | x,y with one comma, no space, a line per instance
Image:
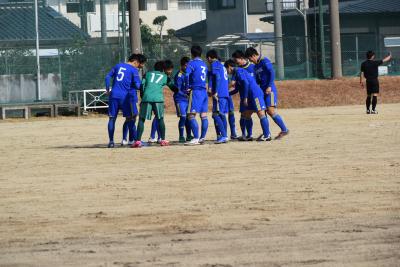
387,58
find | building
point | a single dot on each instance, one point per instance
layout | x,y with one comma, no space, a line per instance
179,13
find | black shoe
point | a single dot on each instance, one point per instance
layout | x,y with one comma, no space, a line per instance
374,112
368,111
111,145
264,138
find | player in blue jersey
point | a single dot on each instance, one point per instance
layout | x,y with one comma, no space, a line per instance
251,97
123,95
245,123
265,78
195,83
142,60
219,90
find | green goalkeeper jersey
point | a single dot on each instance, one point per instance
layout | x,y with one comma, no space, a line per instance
153,85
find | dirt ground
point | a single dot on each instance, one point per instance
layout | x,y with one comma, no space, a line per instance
321,93
327,195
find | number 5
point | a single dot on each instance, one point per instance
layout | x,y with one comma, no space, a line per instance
121,74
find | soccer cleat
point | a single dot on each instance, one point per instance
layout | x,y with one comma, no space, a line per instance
182,139
137,144
374,112
222,140
152,140
159,141
111,145
193,142
368,111
242,138
164,143
249,138
124,142
130,143
262,138
281,135
234,137
189,138
202,140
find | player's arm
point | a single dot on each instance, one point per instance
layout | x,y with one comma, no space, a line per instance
108,80
269,69
387,58
136,82
189,71
142,87
232,84
361,79
245,89
171,85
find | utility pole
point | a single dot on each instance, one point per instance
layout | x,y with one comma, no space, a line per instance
103,21
322,37
83,15
278,39
134,29
123,26
335,39
38,93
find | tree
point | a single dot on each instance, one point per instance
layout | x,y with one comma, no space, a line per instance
159,22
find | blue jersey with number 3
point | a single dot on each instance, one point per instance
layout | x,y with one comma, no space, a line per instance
196,74
126,80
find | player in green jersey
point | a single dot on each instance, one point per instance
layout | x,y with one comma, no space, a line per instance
152,101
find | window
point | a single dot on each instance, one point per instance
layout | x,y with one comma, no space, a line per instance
221,4
256,7
285,5
153,5
191,4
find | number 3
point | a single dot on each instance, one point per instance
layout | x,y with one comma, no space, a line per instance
203,70
121,74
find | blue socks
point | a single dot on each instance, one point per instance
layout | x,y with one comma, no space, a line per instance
232,124
249,127
132,130
125,130
154,129
181,126
188,129
219,125
265,126
195,127
278,120
111,129
204,127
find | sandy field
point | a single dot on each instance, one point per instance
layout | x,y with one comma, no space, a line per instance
327,195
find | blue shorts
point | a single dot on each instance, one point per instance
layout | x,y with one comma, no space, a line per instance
221,105
254,103
198,101
128,105
181,108
230,103
271,100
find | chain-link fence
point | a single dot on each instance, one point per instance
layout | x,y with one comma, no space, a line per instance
83,66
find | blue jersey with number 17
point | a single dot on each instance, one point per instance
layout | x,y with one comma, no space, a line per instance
126,80
196,74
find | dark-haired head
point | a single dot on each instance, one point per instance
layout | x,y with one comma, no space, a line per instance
251,51
159,66
238,54
168,64
184,61
370,54
212,54
196,51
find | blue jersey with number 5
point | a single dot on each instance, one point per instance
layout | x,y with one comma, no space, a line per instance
196,74
126,80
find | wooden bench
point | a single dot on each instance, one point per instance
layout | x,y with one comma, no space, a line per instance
75,107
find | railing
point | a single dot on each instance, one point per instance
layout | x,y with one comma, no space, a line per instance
285,5
191,4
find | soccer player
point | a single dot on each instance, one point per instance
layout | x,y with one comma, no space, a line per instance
265,76
168,69
219,90
152,101
370,70
245,123
123,96
251,96
142,60
181,99
195,83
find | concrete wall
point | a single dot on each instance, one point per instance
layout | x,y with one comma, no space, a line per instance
22,88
